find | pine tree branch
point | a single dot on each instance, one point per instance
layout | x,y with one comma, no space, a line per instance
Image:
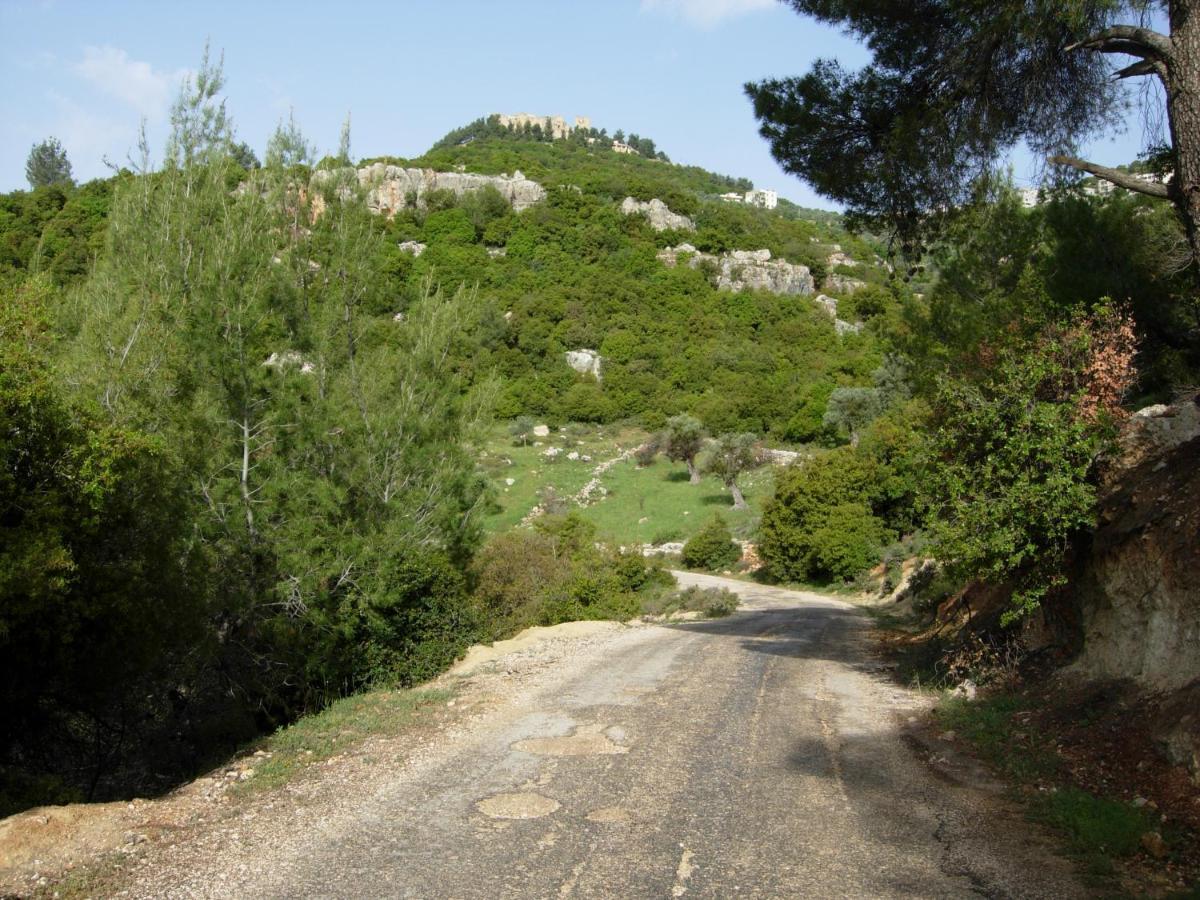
1129,39
1120,179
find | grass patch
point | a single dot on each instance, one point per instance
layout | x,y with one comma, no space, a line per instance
1097,830
989,725
1094,826
643,503
334,729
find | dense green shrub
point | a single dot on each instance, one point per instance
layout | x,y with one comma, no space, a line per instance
712,547
846,542
1013,452
556,573
819,523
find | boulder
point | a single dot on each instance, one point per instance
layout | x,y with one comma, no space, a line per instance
541,431
744,270
585,362
658,214
416,248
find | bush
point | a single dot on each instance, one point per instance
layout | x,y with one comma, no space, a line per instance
556,573
712,547
713,602
801,537
846,543
1015,450
646,453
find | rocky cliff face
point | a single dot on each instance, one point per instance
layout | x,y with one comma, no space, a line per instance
1138,589
743,270
658,213
392,188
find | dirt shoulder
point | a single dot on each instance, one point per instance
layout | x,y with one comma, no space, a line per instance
93,849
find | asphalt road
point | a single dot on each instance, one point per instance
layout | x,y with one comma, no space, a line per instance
755,756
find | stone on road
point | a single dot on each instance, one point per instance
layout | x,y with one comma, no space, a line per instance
754,756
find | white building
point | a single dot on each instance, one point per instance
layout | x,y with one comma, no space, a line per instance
622,147
732,197
765,199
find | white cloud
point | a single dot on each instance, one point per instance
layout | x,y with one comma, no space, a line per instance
706,13
132,82
87,135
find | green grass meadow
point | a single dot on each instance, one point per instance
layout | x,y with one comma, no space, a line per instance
644,505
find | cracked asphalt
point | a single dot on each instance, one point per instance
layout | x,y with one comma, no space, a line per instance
762,755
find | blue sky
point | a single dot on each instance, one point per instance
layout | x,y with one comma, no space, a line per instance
408,72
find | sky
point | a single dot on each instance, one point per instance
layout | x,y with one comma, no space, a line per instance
408,72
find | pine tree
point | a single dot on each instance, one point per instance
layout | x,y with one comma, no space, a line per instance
47,164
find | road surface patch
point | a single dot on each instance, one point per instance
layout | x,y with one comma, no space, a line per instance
517,806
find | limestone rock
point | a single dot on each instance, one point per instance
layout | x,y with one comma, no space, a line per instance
541,430
744,270
658,214
289,359
841,326
840,258
671,548
585,362
779,457
416,248
829,304
1138,593
1155,430
392,188
840,284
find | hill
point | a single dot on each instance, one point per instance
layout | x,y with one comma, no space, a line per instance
573,272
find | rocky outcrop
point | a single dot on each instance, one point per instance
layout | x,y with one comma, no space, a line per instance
658,214
585,362
841,326
840,258
392,188
1153,431
744,270
416,248
840,284
1137,587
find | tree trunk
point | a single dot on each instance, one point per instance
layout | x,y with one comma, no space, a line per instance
693,472
1183,116
739,502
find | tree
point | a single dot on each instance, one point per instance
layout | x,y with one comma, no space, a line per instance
521,428
288,147
949,90
343,154
243,154
682,440
732,455
48,164
852,409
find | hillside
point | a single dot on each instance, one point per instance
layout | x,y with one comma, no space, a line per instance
573,272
